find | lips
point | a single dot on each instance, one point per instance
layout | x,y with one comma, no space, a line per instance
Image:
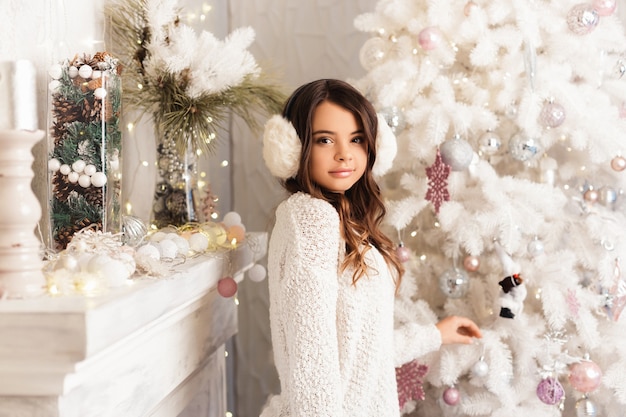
341,173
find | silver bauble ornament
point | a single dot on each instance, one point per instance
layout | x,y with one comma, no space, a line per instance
454,283
456,153
523,148
608,195
586,408
489,143
394,118
134,230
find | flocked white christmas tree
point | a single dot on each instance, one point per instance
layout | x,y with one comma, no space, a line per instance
508,196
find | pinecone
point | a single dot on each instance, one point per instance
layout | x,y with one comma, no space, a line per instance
59,130
91,109
100,56
65,234
62,188
95,83
64,110
93,195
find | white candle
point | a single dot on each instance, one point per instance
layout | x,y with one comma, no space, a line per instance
18,95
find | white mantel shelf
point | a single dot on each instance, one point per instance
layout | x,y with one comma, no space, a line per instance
154,348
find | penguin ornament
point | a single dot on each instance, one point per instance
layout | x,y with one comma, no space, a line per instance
513,290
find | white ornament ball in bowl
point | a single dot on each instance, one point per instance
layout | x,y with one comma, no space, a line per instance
56,71
182,244
168,248
231,219
198,242
73,177
72,71
150,251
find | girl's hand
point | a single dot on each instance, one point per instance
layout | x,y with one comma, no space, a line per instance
456,329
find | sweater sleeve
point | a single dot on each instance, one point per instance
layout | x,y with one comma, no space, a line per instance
309,294
413,339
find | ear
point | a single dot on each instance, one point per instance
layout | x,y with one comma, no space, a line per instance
386,148
281,147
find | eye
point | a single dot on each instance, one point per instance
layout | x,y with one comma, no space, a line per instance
358,139
323,139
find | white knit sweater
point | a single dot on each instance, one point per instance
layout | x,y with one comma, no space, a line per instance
334,343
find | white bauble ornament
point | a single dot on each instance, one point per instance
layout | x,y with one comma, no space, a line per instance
65,169
96,74
54,165
535,247
158,236
456,153
73,177
257,273
78,166
56,71
608,195
72,71
84,181
98,179
480,369
373,52
198,242
128,261
150,251
89,169
85,71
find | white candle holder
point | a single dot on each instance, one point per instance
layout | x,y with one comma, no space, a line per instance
21,261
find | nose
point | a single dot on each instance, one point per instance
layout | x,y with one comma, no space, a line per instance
343,153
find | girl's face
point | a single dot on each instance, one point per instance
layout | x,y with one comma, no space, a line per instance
339,151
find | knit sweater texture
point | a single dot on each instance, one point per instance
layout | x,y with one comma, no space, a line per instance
335,346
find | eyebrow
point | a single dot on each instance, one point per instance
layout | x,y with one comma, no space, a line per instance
330,132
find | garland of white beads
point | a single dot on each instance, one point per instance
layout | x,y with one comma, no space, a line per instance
79,172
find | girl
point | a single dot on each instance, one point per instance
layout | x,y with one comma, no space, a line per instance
332,272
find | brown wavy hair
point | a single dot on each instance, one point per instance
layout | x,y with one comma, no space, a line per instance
361,208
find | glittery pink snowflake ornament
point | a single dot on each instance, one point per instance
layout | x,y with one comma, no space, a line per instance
437,175
409,378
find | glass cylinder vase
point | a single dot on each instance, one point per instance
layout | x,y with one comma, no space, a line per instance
175,200
84,146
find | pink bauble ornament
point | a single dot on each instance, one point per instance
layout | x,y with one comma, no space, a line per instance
591,196
550,391
227,287
430,38
618,163
451,396
585,376
552,115
604,7
403,253
582,19
471,263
